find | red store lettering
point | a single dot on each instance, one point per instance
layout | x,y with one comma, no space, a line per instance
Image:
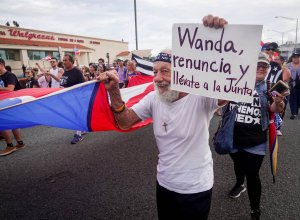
29,36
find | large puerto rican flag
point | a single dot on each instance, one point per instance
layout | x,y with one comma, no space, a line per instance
82,107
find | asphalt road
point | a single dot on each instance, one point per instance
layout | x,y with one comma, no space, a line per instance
111,175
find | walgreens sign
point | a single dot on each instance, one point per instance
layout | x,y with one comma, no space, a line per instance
29,36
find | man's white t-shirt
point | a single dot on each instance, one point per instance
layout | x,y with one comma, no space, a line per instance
181,131
54,83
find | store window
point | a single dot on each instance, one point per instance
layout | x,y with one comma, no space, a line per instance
8,54
55,54
38,54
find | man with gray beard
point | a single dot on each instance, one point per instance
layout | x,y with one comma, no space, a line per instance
180,123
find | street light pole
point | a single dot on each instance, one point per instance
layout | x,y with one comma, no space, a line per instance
295,48
135,21
296,36
282,34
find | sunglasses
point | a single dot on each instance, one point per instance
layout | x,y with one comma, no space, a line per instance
263,66
268,49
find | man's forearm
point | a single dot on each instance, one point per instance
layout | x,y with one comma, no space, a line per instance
10,87
54,77
115,97
124,116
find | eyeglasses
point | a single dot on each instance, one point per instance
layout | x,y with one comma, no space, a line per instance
52,61
263,66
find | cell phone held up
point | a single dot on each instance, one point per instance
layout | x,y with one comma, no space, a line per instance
279,87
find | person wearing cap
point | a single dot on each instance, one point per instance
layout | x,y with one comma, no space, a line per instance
294,67
269,49
180,123
121,70
275,73
283,74
251,136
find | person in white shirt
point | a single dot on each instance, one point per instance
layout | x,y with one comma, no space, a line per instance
43,83
180,123
54,74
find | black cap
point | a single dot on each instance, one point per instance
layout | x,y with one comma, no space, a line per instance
270,46
295,55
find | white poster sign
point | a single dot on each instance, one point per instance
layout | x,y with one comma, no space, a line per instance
217,63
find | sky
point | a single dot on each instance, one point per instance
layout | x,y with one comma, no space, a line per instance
114,19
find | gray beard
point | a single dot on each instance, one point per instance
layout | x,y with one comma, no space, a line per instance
168,96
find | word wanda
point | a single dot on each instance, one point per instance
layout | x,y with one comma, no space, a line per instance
29,36
206,45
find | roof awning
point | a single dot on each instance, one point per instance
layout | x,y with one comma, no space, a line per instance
123,53
10,41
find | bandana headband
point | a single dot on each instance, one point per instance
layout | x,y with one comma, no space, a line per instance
163,57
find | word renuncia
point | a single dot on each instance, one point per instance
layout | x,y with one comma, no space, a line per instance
201,65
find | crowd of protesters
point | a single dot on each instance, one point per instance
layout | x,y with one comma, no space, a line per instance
286,70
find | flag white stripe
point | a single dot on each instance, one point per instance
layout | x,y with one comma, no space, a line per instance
144,62
142,70
128,93
143,66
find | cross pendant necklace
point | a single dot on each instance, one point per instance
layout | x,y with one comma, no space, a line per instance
165,125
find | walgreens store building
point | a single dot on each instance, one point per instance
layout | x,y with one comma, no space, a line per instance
20,46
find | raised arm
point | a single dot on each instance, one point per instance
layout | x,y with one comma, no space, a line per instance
45,72
124,116
40,68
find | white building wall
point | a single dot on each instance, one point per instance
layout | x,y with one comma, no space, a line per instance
95,47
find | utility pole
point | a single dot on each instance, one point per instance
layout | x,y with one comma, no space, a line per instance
135,21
